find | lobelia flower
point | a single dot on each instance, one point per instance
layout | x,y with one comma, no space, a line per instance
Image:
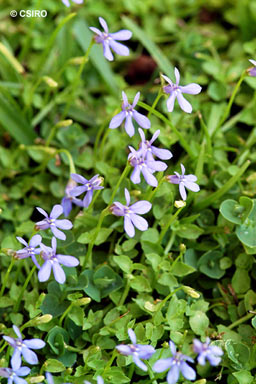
128,113
183,180
67,2
137,351
99,380
108,40
176,90
146,145
51,222
252,71
130,213
13,375
88,186
141,164
207,352
176,363
53,261
68,200
30,249
22,347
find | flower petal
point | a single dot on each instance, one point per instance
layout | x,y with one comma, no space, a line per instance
157,165
163,154
58,272
125,100
29,356
57,233
129,126
96,30
66,205
155,136
142,120
252,61
135,176
139,363
177,75
35,241
68,261
119,48
145,351
123,34
78,178
150,179
23,371
182,190
141,207
88,198
34,343
22,241
42,211
127,196
56,211
19,380
139,222
103,24
162,364
45,271
192,186
128,227
167,79
132,335
170,101
124,349
107,52
17,331
16,359
142,135
78,190
187,371
173,375
136,99
191,89
117,120
183,103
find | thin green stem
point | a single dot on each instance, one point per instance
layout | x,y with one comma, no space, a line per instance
242,320
168,224
182,140
65,314
216,195
17,305
105,212
151,374
125,293
232,98
158,97
77,78
164,301
70,159
150,196
110,362
6,277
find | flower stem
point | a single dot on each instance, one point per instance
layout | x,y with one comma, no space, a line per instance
216,195
227,110
77,79
114,355
17,305
164,301
125,293
65,314
167,225
70,159
182,140
151,374
242,320
105,212
158,97
7,276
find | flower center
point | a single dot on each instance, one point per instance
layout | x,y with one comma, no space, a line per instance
51,221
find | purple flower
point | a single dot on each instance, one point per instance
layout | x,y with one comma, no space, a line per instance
176,363
252,71
51,222
30,249
67,3
176,90
207,352
22,347
13,375
146,145
142,165
183,180
128,113
99,380
53,261
49,378
137,351
68,200
88,186
108,40
131,218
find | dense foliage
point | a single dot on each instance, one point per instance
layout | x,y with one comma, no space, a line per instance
144,264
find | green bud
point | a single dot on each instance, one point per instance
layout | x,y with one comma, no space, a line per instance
50,82
35,379
82,301
40,320
179,204
191,292
64,123
182,248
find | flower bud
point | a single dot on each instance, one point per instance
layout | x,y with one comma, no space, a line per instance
40,320
50,82
179,204
191,292
182,247
82,301
35,379
64,123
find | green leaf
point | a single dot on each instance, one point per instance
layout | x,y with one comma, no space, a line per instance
180,269
141,284
188,231
238,353
86,237
56,338
124,262
162,61
243,377
77,315
209,264
83,35
12,120
241,281
234,212
53,366
199,323
6,302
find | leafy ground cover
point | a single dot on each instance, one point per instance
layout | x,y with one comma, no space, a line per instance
128,218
